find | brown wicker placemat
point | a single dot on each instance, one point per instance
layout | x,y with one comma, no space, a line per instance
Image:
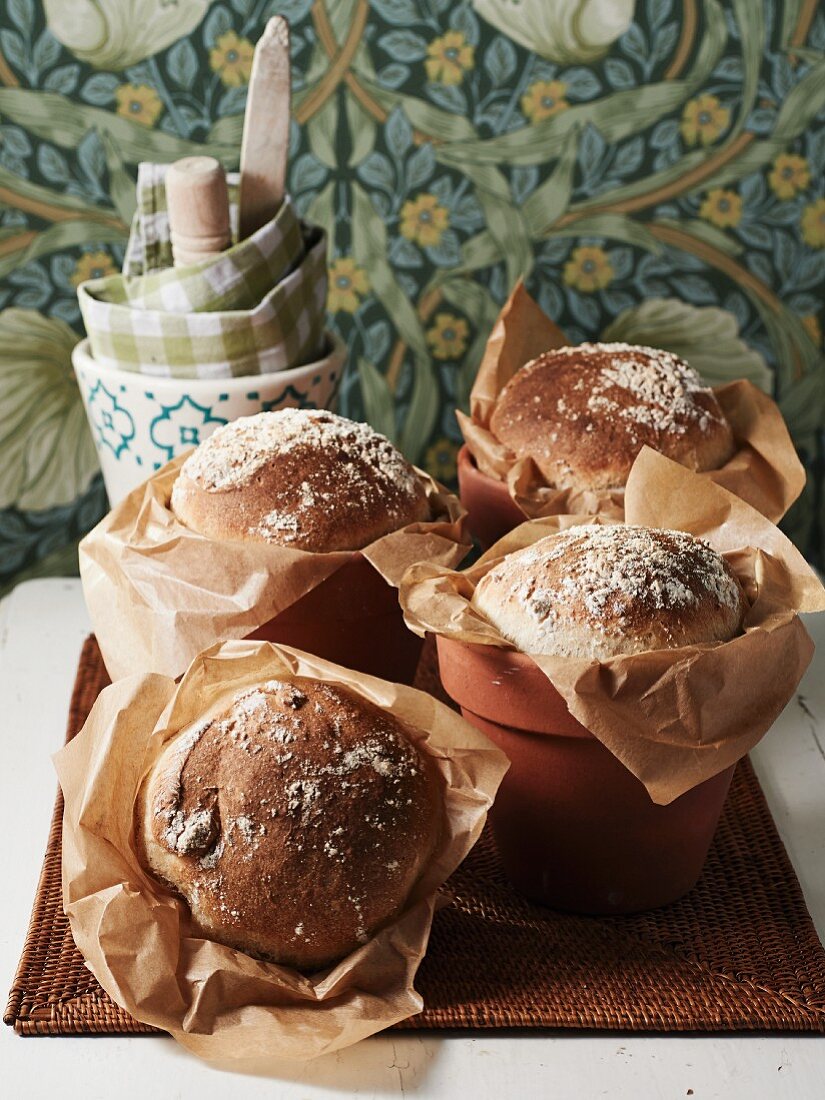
738,953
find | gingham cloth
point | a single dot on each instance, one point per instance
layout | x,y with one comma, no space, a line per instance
256,308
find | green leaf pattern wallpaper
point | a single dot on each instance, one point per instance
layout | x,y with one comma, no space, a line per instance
655,169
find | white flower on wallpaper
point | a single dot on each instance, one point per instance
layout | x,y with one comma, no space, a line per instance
113,34
560,30
704,335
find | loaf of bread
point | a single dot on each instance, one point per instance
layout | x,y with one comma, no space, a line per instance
602,591
301,478
294,823
583,413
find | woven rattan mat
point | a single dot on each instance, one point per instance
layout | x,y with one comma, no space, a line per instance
738,953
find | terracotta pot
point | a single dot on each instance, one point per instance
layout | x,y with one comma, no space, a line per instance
354,619
575,829
491,510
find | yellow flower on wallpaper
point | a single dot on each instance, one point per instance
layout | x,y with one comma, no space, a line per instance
588,269
348,283
449,58
811,324
543,99
703,120
790,174
424,219
813,224
231,59
92,265
722,208
139,102
447,336
440,459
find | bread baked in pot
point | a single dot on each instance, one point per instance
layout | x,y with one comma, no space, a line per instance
616,781
583,414
599,591
301,478
295,823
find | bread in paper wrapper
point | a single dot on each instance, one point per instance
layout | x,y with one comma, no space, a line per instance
159,593
673,717
220,1003
764,469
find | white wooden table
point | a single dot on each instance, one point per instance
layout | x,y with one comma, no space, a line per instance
42,626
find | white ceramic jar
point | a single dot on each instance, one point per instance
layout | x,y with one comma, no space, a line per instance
139,423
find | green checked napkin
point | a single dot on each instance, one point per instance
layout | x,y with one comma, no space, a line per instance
256,308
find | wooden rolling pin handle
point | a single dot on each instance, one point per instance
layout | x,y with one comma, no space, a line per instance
198,205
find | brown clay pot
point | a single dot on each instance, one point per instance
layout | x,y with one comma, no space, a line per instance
354,619
575,829
492,512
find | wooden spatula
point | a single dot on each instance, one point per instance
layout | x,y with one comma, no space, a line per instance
265,144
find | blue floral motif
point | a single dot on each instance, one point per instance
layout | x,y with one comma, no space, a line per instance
113,426
178,427
289,396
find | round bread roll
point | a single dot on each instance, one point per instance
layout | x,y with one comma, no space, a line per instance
294,824
302,478
603,591
583,414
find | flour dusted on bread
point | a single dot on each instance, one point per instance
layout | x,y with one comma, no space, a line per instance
301,478
294,823
601,591
583,413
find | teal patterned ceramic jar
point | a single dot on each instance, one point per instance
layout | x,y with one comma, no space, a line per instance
139,423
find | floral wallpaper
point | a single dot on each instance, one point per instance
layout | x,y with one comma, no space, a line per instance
656,170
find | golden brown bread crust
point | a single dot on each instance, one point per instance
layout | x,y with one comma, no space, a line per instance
294,823
302,478
603,591
583,414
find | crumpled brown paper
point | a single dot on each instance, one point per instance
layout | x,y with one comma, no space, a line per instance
158,593
765,471
673,717
220,1003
